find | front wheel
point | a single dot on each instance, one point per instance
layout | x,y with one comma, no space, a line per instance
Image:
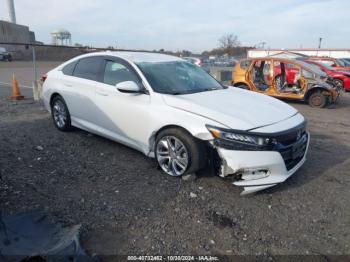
317,99
178,153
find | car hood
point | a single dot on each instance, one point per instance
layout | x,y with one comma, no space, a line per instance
235,108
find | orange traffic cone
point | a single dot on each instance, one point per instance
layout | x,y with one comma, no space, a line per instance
16,93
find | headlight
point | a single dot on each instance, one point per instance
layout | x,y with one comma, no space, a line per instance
238,138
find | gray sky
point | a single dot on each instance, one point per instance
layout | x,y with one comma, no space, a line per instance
193,25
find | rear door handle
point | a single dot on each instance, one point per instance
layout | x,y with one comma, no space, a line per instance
68,85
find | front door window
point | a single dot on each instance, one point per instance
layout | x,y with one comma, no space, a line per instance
261,75
115,73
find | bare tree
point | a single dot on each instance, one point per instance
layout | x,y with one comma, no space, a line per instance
228,43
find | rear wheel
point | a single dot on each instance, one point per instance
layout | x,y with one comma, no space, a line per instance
178,153
317,99
60,114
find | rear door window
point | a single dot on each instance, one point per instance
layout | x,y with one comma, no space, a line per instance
89,68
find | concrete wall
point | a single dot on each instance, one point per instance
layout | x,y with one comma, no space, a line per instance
14,33
48,53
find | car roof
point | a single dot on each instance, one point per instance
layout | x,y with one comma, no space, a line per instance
140,57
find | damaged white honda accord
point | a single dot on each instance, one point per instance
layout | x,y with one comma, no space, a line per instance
175,112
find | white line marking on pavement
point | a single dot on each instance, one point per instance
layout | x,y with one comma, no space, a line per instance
9,84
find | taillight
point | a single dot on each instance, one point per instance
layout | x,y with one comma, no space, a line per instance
43,78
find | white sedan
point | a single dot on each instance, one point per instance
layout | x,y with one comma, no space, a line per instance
175,112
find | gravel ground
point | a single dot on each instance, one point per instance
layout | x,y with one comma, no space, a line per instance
127,206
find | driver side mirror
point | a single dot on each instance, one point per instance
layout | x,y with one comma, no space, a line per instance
128,87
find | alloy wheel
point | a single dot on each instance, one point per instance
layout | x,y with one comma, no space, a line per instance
172,156
59,113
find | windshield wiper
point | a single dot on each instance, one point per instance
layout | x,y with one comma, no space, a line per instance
208,89
177,93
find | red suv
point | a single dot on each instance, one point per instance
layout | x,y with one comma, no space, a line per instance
340,78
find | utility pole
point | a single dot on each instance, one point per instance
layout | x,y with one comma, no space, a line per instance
319,43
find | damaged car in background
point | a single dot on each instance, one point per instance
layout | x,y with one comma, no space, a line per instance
175,112
286,79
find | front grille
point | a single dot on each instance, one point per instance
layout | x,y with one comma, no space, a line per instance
293,153
292,137
291,145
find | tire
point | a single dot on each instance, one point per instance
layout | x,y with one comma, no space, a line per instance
171,160
60,114
317,99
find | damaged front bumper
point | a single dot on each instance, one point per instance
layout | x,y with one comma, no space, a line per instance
258,170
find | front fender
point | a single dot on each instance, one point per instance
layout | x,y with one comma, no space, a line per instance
192,123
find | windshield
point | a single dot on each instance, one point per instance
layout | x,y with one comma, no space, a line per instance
178,77
329,67
345,62
313,68
341,63
320,65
